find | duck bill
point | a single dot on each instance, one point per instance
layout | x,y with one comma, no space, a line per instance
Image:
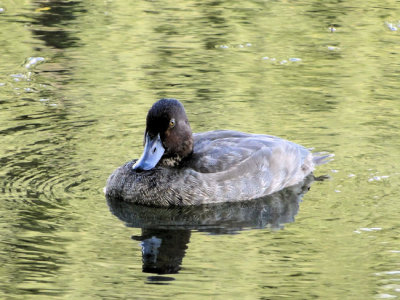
152,153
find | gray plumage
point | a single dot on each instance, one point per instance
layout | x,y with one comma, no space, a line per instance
223,166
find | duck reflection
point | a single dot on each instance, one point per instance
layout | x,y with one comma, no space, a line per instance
163,249
166,231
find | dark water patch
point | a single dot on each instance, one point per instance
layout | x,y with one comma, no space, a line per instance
52,18
160,280
20,128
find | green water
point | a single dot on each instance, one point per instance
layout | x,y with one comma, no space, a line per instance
76,81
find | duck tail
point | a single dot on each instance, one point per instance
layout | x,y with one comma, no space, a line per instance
320,158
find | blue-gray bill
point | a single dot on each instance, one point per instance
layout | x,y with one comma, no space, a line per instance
152,153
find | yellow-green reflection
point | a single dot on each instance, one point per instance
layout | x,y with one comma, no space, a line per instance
66,123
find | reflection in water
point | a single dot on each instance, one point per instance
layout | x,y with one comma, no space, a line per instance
66,123
163,249
50,24
166,231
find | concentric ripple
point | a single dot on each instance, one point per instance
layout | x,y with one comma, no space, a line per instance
38,154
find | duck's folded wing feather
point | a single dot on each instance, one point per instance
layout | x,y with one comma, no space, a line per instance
252,164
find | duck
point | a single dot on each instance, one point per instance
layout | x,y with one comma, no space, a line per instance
181,168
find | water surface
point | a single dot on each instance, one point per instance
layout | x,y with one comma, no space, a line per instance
76,81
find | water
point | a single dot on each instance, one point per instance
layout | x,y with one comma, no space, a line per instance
76,81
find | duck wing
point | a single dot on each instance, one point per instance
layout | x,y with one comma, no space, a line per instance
252,163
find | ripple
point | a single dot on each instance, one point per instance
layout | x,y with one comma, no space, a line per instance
282,61
39,178
367,229
378,178
38,164
22,76
391,26
386,296
234,46
370,229
33,61
333,48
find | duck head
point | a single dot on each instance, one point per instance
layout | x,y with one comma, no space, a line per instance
168,136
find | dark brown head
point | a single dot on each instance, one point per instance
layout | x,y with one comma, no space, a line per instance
168,136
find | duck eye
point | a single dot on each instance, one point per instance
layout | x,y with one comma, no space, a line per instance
172,123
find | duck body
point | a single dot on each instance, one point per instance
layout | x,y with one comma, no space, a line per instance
221,166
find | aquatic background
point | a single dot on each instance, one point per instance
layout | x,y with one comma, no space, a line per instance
76,81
